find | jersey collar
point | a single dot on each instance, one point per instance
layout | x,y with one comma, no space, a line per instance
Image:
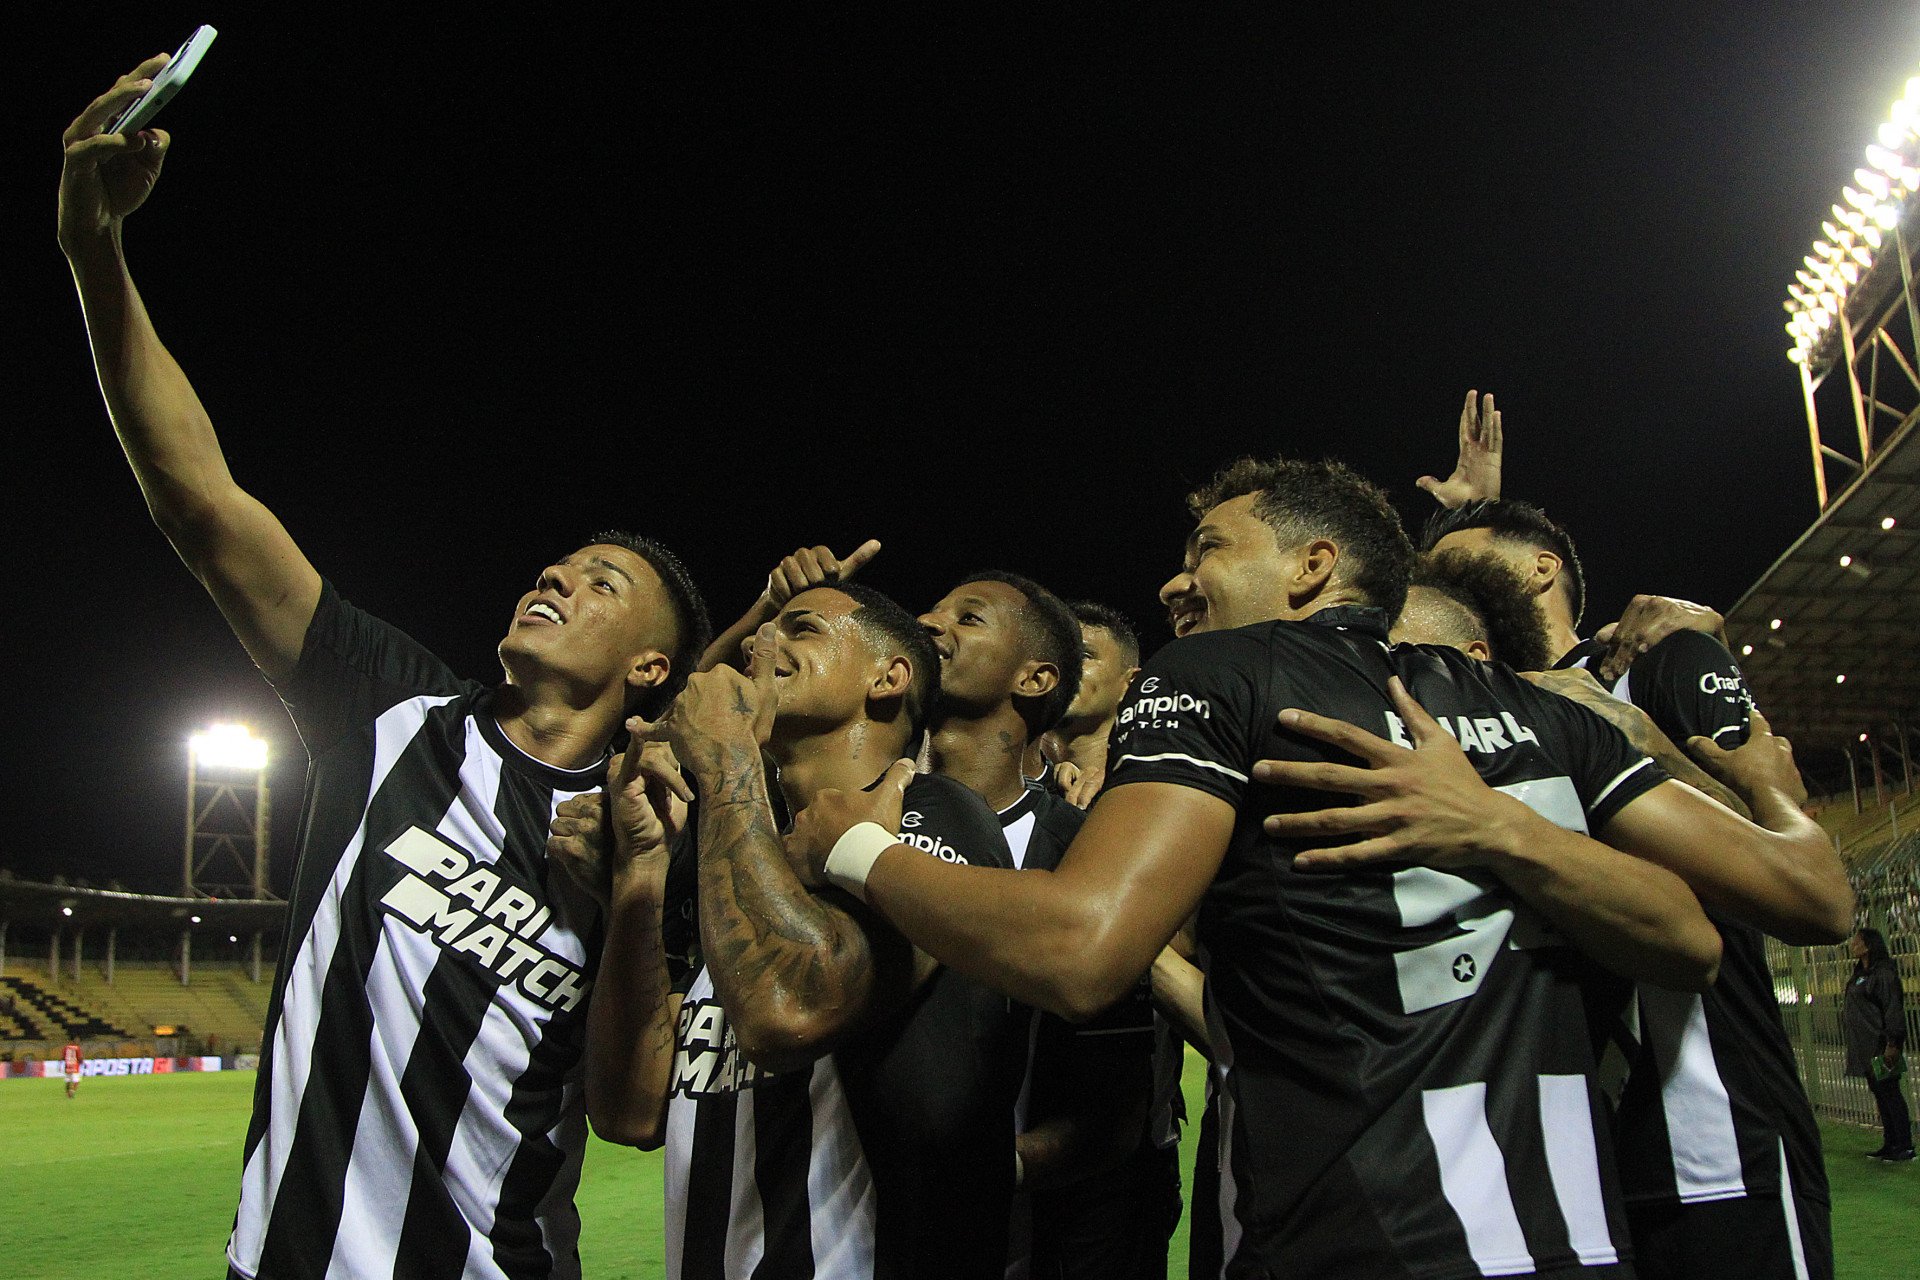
512,757
1579,655
1363,618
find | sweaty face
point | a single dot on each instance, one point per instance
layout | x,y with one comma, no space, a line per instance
977,631
589,616
823,664
1234,573
1103,676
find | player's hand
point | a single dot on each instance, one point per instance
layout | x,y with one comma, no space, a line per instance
1647,621
719,712
1763,762
1078,785
1426,805
833,813
577,840
106,176
811,567
650,807
1476,473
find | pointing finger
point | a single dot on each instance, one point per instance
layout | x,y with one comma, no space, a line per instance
857,561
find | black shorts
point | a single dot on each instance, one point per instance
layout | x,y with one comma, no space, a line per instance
1753,1237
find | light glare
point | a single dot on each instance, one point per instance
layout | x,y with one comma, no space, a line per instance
229,746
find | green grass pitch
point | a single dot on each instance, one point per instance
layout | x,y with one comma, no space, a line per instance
138,1176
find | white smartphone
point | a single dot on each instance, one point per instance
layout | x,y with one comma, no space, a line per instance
169,82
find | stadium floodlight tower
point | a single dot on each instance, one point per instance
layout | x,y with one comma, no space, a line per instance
227,810
1853,297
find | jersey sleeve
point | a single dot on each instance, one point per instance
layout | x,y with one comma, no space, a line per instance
943,818
1607,771
1190,716
1689,684
353,667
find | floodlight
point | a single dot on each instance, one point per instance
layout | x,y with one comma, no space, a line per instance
1873,181
193,919
66,911
1774,625
229,746
1890,134
1746,651
1839,679
1886,522
1845,561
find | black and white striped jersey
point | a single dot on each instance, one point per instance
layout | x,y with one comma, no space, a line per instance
890,1158
418,1110
1407,1082
1713,1095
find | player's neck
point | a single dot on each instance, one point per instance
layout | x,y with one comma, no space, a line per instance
552,729
1561,637
1083,745
983,754
845,758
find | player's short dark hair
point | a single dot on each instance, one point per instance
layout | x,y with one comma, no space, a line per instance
1051,634
1488,588
1091,613
1513,521
891,627
1304,500
692,627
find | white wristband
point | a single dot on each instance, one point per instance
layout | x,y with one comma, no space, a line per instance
855,853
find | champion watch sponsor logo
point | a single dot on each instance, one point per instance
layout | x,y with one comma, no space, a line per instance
1156,710
928,844
912,818
707,1059
477,912
1485,734
1716,682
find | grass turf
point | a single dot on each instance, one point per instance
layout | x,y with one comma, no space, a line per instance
140,1173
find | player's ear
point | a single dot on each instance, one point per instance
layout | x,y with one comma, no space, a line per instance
1478,649
1036,680
892,679
1315,571
1546,572
648,669
1126,681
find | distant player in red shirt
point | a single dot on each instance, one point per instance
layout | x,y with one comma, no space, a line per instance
73,1067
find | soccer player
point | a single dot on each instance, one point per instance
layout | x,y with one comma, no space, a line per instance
1408,1075
832,1104
1076,748
418,1105
1719,1150
1010,667
73,1060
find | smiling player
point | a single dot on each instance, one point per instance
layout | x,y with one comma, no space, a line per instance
418,1106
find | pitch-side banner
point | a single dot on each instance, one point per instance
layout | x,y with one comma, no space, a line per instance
56,1068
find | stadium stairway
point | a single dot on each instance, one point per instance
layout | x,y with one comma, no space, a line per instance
55,1012
219,1003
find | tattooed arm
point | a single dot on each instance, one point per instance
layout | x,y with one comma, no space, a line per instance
1580,686
794,971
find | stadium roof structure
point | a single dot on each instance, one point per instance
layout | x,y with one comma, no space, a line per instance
63,906
1829,637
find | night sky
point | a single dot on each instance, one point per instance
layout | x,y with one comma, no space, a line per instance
456,296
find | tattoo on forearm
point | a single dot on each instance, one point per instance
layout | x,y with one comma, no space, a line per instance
765,937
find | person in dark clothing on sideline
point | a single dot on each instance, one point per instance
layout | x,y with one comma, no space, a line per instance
1876,1030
